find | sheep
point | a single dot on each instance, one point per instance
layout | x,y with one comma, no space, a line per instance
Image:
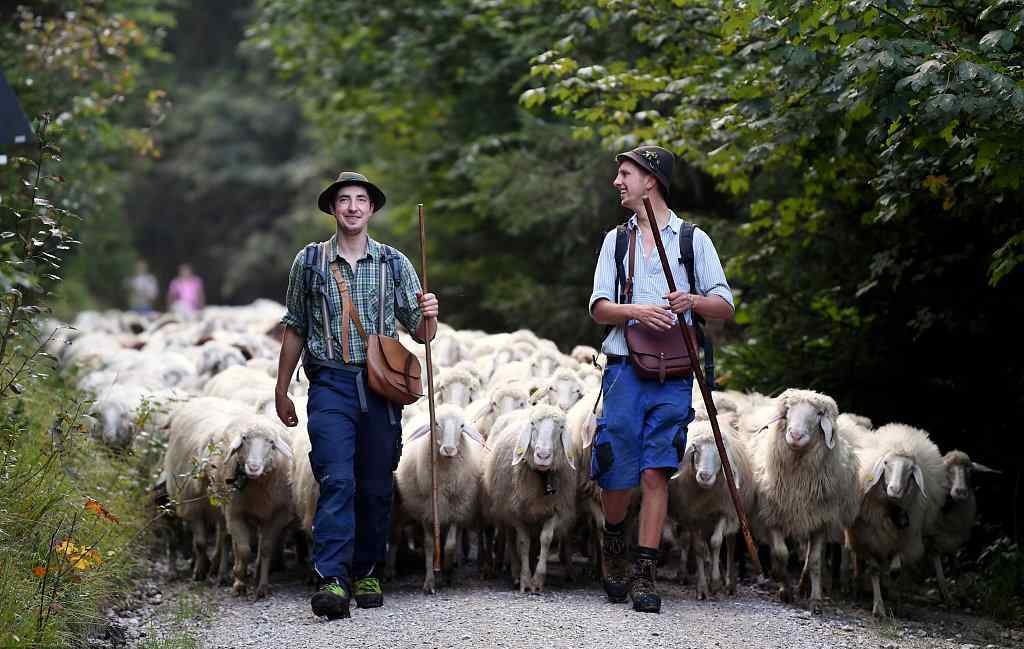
726,406
214,357
893,515
446,351
806,481
582,423
702,504
193,429
590,375
563,389
583,354
117,408
511,372
532,450
458,454
457,387
238,379
255,479
544,362
483,413
952,528
849,418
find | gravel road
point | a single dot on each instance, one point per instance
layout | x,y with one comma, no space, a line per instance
483,614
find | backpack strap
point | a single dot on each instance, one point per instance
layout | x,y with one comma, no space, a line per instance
621,242
393,260
686,260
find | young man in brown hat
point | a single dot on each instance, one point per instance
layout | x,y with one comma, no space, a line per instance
642,435
355,435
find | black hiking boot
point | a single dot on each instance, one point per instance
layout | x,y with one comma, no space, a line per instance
368,592
641,589
616,566
332,600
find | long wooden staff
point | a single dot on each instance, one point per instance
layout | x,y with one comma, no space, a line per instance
430,403
706,393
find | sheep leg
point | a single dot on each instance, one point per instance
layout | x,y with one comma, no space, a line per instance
221,553
780,557
940,579
200,562
685,540
716,555
241,544
270,549
523,555
877,604
814,556
452,552
565,553
801,586
730,564
547,533
700,553
485,554
428,557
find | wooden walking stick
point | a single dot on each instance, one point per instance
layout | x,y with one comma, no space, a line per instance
430,403
698,374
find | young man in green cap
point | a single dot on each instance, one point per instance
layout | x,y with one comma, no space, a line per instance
641,437
354,433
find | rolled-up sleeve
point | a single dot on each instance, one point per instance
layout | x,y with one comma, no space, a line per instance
604,274
708,268
295,298
407,307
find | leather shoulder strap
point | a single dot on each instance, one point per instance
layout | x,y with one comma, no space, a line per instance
348,311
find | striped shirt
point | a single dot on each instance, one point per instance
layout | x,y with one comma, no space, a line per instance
649,285
363,285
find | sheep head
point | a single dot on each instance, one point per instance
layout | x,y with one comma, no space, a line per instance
702,454
803,414
897,470
458,387
563,390
540,437
451,427
508,399
543,363
255,444
958,469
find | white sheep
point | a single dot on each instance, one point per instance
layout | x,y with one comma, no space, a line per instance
457,386
188,466
581,421
701,504
458,453
239,379
255,478
531,449
584,354
562,389
483,413
806,481
952,529
893,515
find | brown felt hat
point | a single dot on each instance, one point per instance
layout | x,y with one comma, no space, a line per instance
326,200
654,160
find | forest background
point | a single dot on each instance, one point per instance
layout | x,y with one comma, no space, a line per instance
858,165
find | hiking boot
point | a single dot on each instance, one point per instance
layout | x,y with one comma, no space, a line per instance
332,600
641,588
368,593
616,566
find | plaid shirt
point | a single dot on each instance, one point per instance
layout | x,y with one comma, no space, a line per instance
363,286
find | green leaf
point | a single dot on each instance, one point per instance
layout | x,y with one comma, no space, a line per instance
998,39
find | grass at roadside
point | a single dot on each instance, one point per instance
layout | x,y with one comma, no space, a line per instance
73,518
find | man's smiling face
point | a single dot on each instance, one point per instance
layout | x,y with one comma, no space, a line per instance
633,184
352,209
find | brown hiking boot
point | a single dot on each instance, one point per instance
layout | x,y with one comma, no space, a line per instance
642,589
616,566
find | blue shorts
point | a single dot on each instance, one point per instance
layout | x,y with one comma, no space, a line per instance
643,427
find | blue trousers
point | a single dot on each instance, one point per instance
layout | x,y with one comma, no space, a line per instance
356,441
643,427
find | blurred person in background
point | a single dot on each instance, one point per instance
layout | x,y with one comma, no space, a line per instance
142,289
185,293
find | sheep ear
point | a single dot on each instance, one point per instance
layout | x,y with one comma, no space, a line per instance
876,474
589,430
525,434
471,432
918,476
570,453
419,432
235,445
284,448
977,466
826,427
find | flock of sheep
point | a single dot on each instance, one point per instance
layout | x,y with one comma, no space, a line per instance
515,424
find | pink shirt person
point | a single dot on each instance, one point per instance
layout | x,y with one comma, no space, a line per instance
185,292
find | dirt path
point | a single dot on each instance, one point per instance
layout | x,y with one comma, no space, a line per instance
482,614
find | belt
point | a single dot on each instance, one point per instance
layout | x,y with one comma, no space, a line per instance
615,358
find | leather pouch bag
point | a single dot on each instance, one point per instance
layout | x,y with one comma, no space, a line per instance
656,354
392,371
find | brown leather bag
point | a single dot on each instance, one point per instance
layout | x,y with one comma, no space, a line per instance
392,371
656,354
